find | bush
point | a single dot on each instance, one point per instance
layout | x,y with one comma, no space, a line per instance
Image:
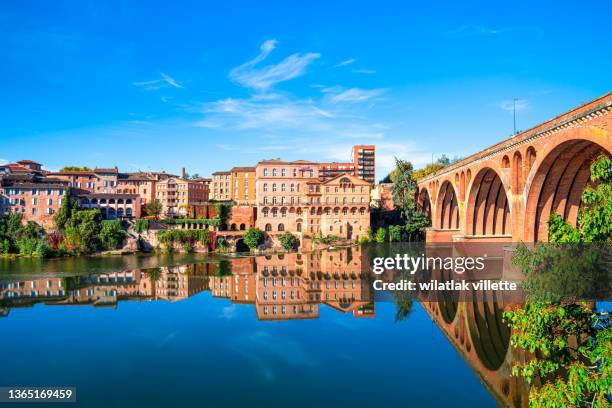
141,225
363,240
253,237
370,234
43,249
111,234
27,247
288,241
189,237
381,234
221,243
395,233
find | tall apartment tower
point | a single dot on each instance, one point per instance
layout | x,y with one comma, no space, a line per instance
364,159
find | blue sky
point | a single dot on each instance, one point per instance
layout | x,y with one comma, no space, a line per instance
211,85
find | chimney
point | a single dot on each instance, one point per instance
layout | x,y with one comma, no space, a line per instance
183,172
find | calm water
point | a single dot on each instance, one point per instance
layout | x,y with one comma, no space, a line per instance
265,331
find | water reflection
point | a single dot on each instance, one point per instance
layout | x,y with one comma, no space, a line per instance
293,287
280,287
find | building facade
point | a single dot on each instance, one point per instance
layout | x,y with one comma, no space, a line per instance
178,196
221,186
291,197
242,180
34,197
364,160
330,170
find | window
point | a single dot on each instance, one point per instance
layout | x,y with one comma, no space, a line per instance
268,227
283,187
265,187
265,172
275,212
273,172
292,188
283,212
281,227
49,201
274,187
294,172
33,201
283,172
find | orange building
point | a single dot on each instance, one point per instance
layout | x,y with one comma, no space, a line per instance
330,170
364,160
242,190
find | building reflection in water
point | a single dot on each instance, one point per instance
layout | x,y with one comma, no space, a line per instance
281,287
293,286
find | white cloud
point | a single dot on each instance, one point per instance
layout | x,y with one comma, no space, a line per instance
3,161
356,95
345,63
170,80
261,79
509,105
155,84
270,113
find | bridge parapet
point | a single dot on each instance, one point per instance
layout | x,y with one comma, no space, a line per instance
511,188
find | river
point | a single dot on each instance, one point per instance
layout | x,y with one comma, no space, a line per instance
300,330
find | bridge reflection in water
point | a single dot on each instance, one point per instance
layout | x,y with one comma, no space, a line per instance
289,287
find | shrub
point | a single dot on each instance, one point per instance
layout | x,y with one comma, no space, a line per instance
111,234
221,243
381,234
370,234
395,233
141,225
253,237
288,241
43,249
27,247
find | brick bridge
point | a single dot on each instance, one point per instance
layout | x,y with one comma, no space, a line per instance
506,193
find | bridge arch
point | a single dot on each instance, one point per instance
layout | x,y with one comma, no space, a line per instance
487,209
447,207
556,183
424,203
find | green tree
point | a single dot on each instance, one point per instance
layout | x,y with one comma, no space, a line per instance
571,344
403,198
253,237
75,168
111,234
395,233
141,225
381,234
154,208
82,231
288,241
65,212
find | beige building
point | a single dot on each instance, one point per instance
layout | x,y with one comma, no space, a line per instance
221,186
177,195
